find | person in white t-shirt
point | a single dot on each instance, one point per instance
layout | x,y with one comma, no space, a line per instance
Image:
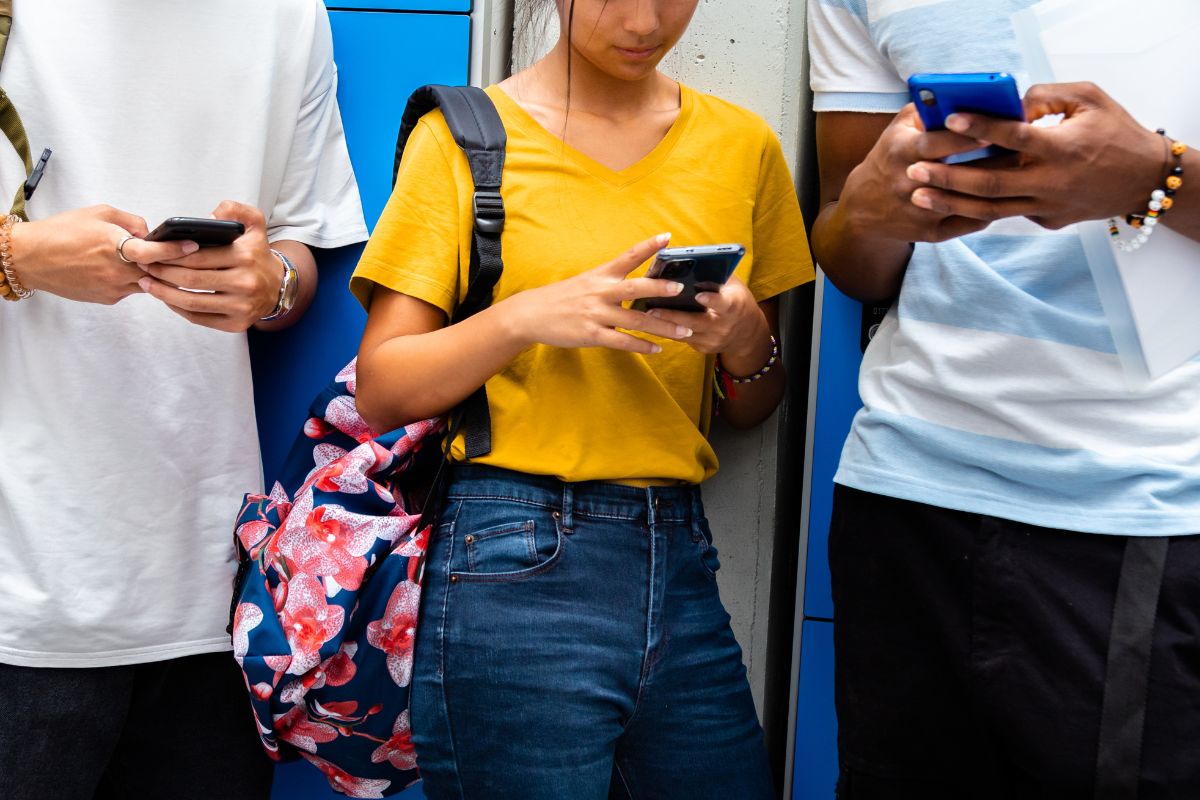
127,429
1015,536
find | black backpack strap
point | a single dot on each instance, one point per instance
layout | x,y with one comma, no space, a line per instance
479,131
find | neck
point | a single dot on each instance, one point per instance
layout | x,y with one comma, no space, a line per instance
595,92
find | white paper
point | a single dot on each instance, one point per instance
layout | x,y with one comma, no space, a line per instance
1143,55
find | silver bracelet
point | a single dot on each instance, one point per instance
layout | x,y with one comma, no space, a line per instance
289,287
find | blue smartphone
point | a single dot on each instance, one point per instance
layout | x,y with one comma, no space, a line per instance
699,269
938,95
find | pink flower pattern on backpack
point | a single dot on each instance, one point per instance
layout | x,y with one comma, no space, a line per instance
328,595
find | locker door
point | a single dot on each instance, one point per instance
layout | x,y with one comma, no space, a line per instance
840,336
381,57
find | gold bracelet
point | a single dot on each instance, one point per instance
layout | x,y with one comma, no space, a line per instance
11,288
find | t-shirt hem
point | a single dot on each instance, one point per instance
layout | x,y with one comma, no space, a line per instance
414,284
113,658
319,240
783,283
1106,522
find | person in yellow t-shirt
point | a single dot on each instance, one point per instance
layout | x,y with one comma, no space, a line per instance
572,641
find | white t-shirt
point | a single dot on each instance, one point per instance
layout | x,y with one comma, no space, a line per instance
127,435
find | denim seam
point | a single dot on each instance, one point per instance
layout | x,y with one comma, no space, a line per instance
500,530
645,670
442,657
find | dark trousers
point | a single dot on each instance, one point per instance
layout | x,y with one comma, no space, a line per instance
179,729
974,660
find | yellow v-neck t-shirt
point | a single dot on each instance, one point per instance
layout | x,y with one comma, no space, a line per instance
718,176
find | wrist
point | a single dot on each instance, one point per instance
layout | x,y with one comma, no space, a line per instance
749,355
289,288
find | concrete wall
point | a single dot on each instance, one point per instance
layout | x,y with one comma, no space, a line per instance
749,52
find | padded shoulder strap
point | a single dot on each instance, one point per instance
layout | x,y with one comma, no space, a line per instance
479,131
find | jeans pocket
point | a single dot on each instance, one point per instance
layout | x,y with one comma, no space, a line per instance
702,536
510,551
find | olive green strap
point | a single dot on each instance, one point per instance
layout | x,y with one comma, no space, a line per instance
10,120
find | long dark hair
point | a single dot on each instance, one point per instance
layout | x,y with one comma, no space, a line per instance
529,15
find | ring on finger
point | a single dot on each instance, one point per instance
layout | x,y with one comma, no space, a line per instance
121,250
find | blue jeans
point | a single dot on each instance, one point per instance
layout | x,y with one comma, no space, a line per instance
572,646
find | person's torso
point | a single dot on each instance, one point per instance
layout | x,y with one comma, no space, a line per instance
994,385
128,433
597,413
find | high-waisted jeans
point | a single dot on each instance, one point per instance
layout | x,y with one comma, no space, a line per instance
572,646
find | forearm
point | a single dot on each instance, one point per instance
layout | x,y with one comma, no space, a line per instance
864,266
414,377
305,262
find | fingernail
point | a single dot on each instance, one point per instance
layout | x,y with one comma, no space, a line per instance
145,284
654,313
957,123
674,288
144,267
918,173
190,247
703,298
922,200
682,332
655,348
662,239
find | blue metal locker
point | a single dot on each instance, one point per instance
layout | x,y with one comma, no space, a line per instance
837,354
384,49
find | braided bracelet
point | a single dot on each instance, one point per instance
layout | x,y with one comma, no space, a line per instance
1161,201
10,286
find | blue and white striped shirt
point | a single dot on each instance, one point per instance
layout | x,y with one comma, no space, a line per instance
993,386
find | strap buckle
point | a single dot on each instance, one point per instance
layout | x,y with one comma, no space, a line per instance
489,212
35,177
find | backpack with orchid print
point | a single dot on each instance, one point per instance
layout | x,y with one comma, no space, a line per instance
325,604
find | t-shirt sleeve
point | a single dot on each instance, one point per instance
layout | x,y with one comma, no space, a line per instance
318,201
848,71
781,256
414,249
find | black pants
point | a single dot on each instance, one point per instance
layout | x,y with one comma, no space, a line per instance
972,655
179,729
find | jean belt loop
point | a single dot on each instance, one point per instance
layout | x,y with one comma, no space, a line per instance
651,505
568,506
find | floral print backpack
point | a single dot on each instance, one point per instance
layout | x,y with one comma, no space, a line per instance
325,604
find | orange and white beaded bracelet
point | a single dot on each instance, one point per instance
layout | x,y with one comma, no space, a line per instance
1161,201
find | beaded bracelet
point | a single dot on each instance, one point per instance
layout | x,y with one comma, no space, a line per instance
727,380
1161,201
10,287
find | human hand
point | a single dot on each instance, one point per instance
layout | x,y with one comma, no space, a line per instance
876,198
228,288
74,254
586,310
731,324
1099,162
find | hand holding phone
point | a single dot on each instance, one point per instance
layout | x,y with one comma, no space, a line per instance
699,269
204,232
993,94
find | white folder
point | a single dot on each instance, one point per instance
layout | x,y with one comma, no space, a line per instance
1143,55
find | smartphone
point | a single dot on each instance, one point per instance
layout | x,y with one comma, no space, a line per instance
204,232
938,95
699,269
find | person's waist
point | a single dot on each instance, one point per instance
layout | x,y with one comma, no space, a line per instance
676,501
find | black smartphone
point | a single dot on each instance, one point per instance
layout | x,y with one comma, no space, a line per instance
938,95
204,232
699,269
